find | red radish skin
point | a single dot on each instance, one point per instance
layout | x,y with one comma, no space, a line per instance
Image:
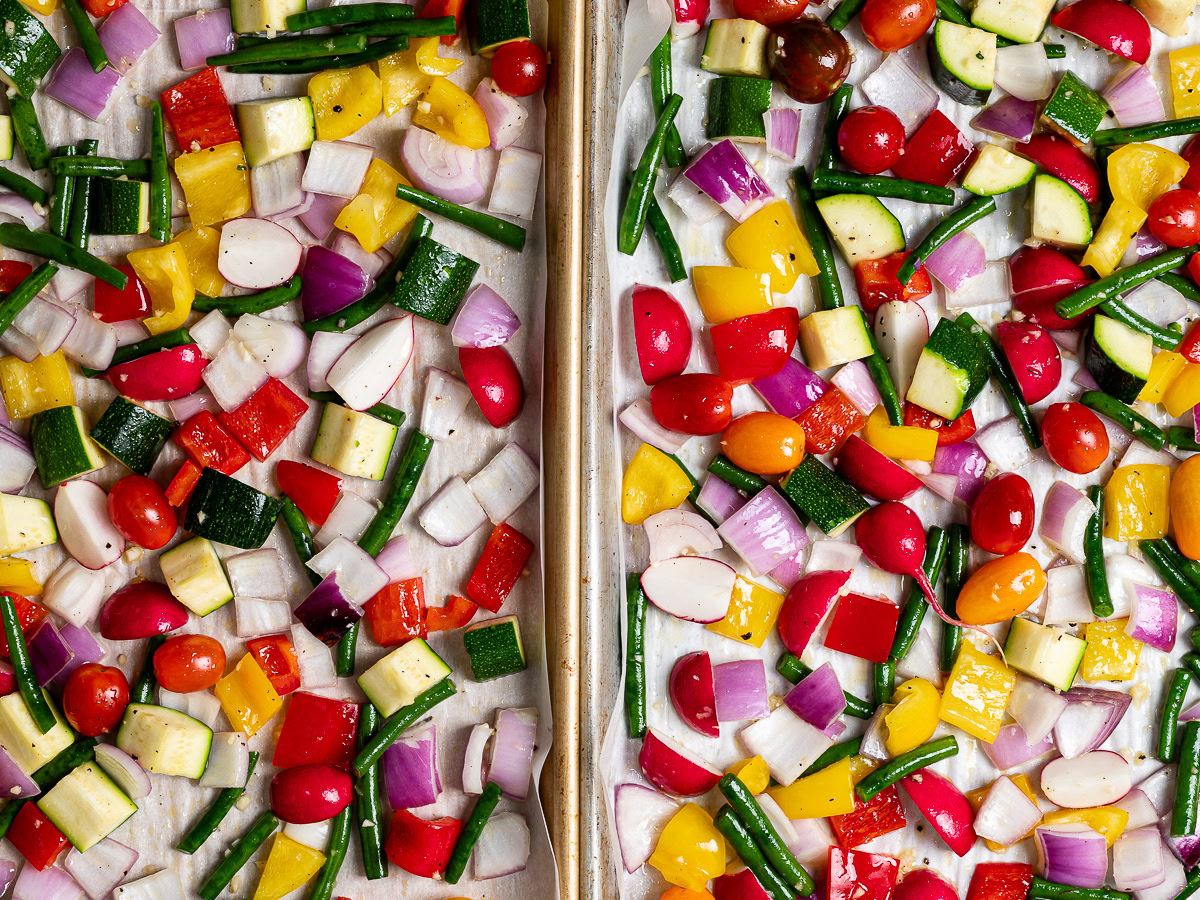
692,693
494,381
141,610
1064,160
661,333
1040,277
740,886
307,794
944,808
670,768
1034,358
924,884
892,538
690,16
1115,26
807,603
165,375
871,472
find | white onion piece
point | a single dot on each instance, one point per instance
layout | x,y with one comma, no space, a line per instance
515,187
452,514
202,706
1141,811
1066,597
90,342
310,834
256,617
895,86
256,253
640,813
446,399
17,207
314,659
336,168
199,401
74,592
1036,707
81,514
1065,516
442,168
280,347
833,556
696,206
162,885
211,333
1004,444
504,113
677,532
358,576
124,770
1006,814
1024,71
786,743
639,419
257,573
921,661
472,777
505,483
503,846
1138,860
68,283
16,344
510,763
44,323
16,461
101,868
397,561
275,187
234,374
370,366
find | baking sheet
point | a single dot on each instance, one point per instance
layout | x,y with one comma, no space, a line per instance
175,803
667,638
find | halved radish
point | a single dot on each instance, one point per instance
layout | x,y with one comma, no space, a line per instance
1093,779
81,513
924,884
641,814
255,253
1117,27
280,347
671,768
901,330
369,367
690,587
944,807
693,694
677,532
873,473
807,603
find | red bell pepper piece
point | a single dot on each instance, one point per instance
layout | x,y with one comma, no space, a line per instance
877,284
313,490
421,846
266,418
29,615
935,153
316,731
276,656
755,346
738,886
35,837
435,9
882,815
199,112
855,875
101,8
184,482
1189,347
209,444
1000,881
114,305
12,273
500,565
397,613
829,421
457,612
864,627
954,432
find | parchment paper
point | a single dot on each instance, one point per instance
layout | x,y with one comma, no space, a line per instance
175,803
669,638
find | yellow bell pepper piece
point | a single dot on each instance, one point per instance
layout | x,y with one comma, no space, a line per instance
1111,654
753,773
1184,391
861,767
1136,503
730,292
168,279
215,182
914,718
450,112
653,482
829,792
770,241
32,387
1140,173
899,441
976,693
1109,821
1164,368
247,696
430,63
751,615
200,245
289,865
1185,506
42,7
690,851
376,215
1120,224
977,796
344,100
1185,81
17,575
403,81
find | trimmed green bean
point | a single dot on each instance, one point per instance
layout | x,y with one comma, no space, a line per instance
636,606
665,238
367,802
795,670
383,411
395,502
497,229
734,830
1192,888
89,40
339,841
835,109
207,824
836,753
1133,422
23,187
373,53
633,214
878,370
844,14
1053,51
302,540
746,482
1183,285
1164,559
239,854
43,244
60,202
1191,662
1110,137
176,337
838,181
904,765
100,167
28,131
79,228
401,719
160,177
300,48
1094,570
883,677
913,612
1122,281
1185,813
142,690
1168,718
471,830
347,14
1041,889
18,654
442,26
829,286
660,90
959,220
1194,637
251,303
957,554
765,834
1002,370
12,303
1162,337
1182,438
345,654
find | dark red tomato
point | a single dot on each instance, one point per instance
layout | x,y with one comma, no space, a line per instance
519,68
140,511
1191,153
1002,515
871,139
948,433
891,25
770,12
809,59
189,662
696,403
12,273
1074,437
94,699
307,794
1174,218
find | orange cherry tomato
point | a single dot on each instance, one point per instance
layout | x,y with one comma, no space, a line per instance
1001,589
765,443
891,25
189,662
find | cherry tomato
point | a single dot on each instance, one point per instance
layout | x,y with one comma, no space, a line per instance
94,698
765,443
1075,437
519,68
1001,589
770,12
871,139
948,432
809,59
140,511
891,25
189,662
1002,514
1174,218
692,404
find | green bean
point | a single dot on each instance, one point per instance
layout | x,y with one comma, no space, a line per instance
300,48
12,303
837,181
660,90
1184,813
913,612
348,14
1053,51
339,841
395,502
1191,661
956,577
829,286
28,131
47,246
904,765
79,228
176,337
764,834
1110,137
1052,890
1194,637
1133,422
373,53
1002,370
207,824
665,238
367,803
737,834
345,654
49,775
1182,438
746,482
297,527
1167,563
239,854
1122,281
142,690
883,677
836,753
1162,337
23,187
100,167
636,717
1189,567
160,177
503,232
401,719
18,654
878,370
89,40
963,217
384,411
794,670
835,109
1168,721
251,303
844,14
471,830
60,202
442,26
633,214
1185,286
1094,569
1192,888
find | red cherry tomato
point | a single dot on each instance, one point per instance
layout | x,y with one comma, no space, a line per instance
189,662
693,404
871,139
519,68
305,794
1074,437
94,699
1002,515
140,511
1174,218
770,12
891,25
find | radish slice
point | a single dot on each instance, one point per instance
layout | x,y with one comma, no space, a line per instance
677,532
672,768
690,587
1093,779
255,253
366,371
81,513
279,347
326,348
641,815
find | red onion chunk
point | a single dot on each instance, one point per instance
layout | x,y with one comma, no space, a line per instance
16,461
957,261
126,35
74,83
741,690
84,649
504,113
15,784
410,769
1009,117
21,209
1138,859
48,652
783,132
208,33
1153,616
336,168
107,863
1133,97
1035,707
856,383
371,263
727,177
791,570
359,576
640,813
1065,515
331,283
818,698
896,87
326,612
1006,814
1084,379
50,883
483,320
1141,811
503,846
719,499
1091,716
765,531
814,837
397,561
8,874
511,762
787,744
1073,854
639,419
442,168
1012,748
321,215
792,389
967,462
1185,848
